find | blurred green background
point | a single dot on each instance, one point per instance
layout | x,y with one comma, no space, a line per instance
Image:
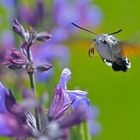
116,94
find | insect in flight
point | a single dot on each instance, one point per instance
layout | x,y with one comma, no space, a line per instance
109,49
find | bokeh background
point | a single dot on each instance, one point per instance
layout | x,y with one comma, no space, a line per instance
115,94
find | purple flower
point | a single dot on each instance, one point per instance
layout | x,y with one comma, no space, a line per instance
60,34
43,36
64,12
2,55
7,43
58,106
77,116
7,3
61,126
12,122
7,40
58,115
29,36
67,109
77,95
12,127
3,93
93,125
33,16
19,29
48,53
63,98
15,59
79,11
89,14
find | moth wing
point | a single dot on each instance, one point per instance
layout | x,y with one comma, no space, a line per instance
129,49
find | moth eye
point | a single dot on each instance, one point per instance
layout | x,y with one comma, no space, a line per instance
94,40
104,41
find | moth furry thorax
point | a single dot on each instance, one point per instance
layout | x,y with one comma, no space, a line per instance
107,46
106,39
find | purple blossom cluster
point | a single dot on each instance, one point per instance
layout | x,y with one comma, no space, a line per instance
21,123
29,118
82,12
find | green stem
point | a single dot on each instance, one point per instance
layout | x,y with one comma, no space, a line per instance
84,132
33,85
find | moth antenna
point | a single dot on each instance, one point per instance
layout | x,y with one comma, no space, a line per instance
83,28
115,32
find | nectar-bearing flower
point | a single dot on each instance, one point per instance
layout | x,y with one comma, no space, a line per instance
33,16
63,98
58,106
12,122
29,119
78,95
67,109
64,112
19,59
29,37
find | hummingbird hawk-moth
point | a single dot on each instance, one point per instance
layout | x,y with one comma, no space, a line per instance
108,47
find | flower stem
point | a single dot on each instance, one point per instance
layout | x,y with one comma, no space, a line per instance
30,71
36,110
84,132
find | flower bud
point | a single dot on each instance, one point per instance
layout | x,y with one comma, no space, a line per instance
43,36
43,68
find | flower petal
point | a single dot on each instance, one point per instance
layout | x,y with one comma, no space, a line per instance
79,96
65,77
78,115
43,36
13,107
81,101
18,28
77,93
12,126
8,104
58,106
3,93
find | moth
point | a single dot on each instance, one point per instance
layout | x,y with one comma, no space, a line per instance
109,49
